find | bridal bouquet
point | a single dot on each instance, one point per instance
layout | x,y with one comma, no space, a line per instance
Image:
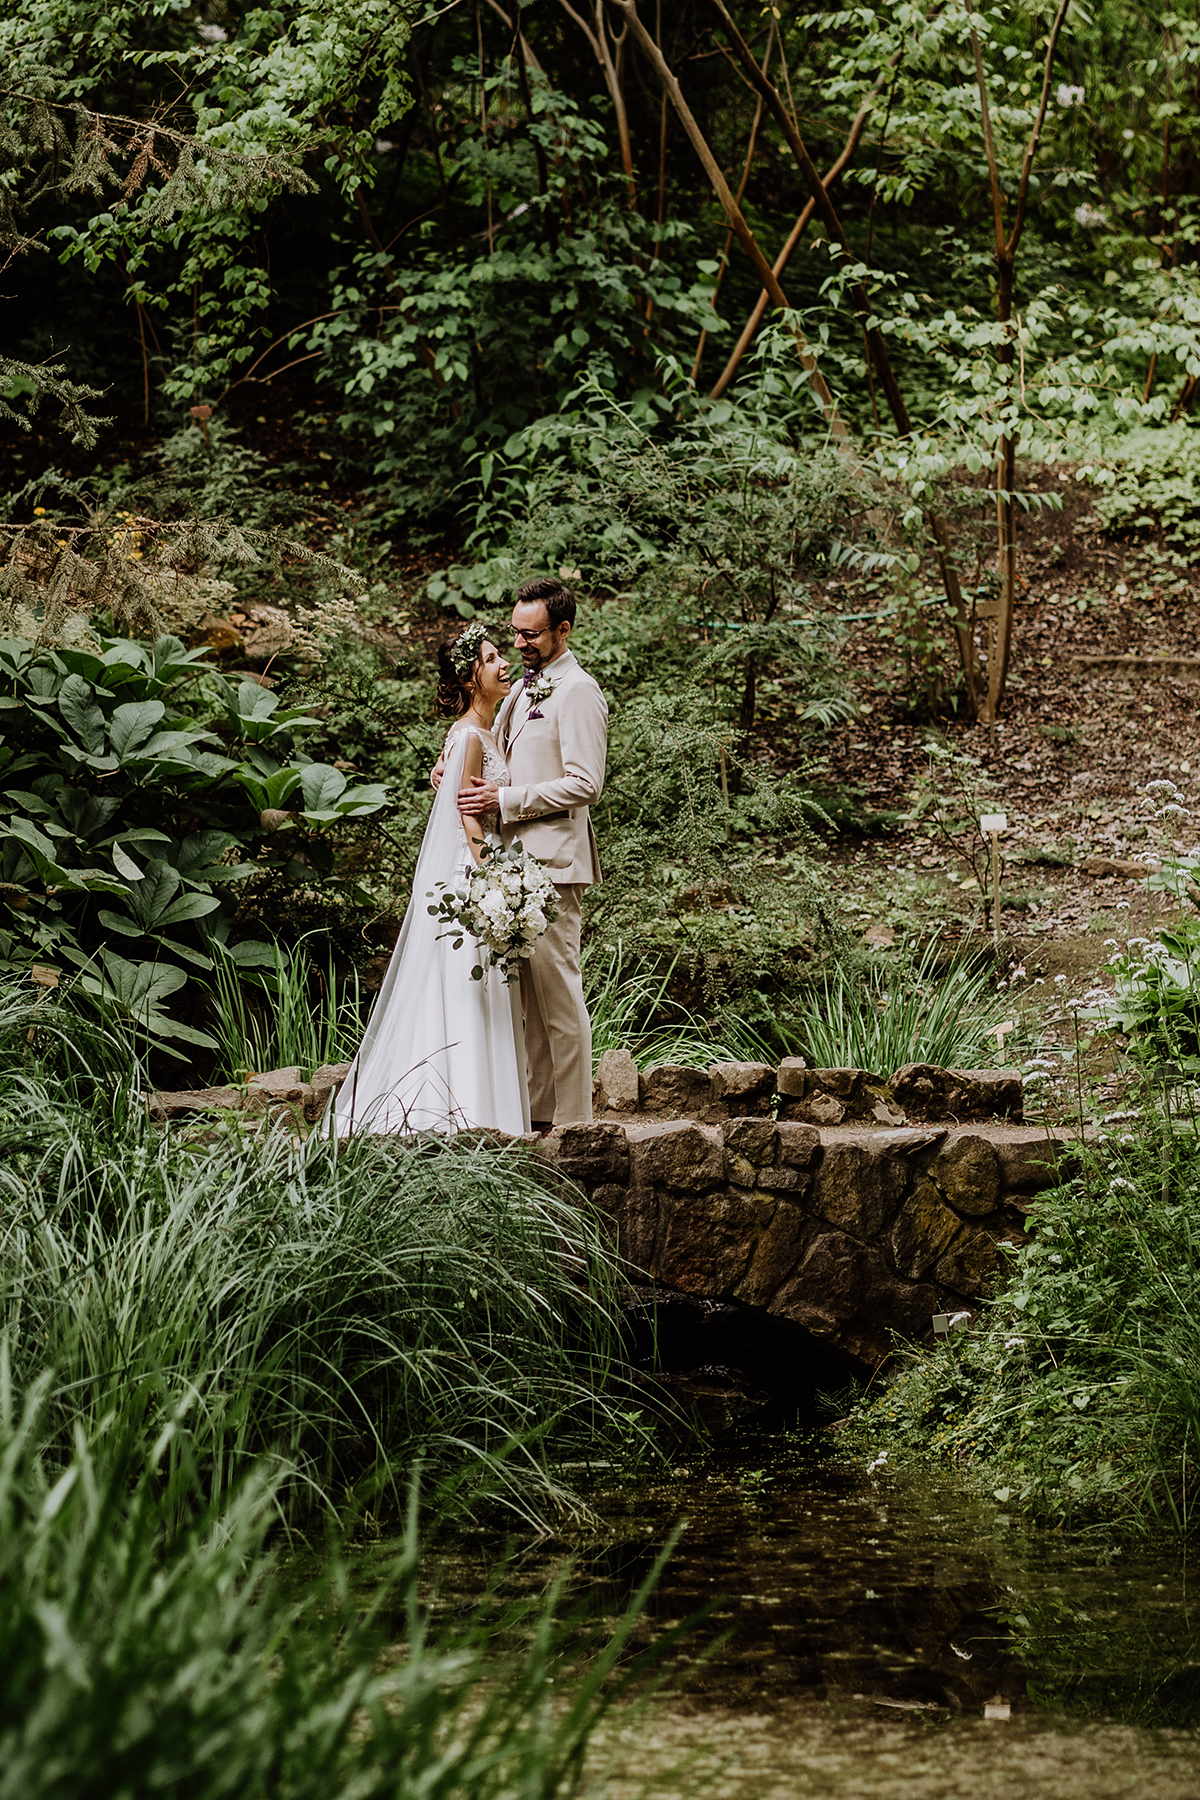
506,903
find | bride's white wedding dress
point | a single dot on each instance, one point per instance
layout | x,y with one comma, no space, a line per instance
441,1052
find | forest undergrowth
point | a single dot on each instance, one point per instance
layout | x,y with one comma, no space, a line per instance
1071,1396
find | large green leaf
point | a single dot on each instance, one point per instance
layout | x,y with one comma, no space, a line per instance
77,703
154,893
171,659
132,724
212,767
28,833
254,702
156,902
188,906
198,859
322,787
137,990
173,747
84,663
368,797
125,865
28,802
86,814
43,856
270,790
121,923
252,953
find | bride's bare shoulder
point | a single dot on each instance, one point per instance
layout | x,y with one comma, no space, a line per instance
460,727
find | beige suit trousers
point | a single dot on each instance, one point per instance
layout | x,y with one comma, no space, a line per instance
558,1031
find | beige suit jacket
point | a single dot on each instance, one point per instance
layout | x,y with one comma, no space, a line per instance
557,768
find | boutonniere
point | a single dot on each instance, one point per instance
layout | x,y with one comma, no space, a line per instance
538,687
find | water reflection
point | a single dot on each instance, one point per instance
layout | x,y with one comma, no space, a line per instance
901,1590
887,1636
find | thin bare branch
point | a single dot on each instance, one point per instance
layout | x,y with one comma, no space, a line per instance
781,261
599,41
527,56
733,211
989,144
1035,135
751,146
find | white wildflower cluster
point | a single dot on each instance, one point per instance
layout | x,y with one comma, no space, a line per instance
505,904
1039,1070
314,632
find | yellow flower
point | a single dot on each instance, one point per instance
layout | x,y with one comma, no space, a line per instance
38,511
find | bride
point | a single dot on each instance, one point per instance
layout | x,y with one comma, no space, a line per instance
441,1051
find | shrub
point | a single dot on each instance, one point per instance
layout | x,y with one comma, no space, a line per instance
141,791
1076,1391
1155,481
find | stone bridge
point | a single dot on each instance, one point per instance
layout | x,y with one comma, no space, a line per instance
847,1209
851,1232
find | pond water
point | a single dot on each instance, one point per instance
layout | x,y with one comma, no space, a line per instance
889,1635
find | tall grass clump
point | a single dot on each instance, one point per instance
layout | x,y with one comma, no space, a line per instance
893,1012
1077,1392
147,1646
293,1011
632,1009
342,1311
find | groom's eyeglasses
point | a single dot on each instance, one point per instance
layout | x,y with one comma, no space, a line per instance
529,637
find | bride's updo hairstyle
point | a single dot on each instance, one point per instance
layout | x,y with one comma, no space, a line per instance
456,669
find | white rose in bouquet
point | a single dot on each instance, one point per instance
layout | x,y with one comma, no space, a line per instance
506,905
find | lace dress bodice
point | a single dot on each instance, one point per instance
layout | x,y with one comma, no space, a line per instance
495,769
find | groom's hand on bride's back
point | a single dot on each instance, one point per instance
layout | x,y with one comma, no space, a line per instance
437,771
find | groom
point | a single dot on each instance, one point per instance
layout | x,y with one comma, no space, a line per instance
553,731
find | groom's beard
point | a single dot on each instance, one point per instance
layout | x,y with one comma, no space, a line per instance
537,659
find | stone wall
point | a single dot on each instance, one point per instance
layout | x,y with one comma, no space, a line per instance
851,1235
849,1208
791,1090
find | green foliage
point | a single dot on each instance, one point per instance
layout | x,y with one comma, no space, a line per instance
724,881
148,1643
1156,993
129,835
900,1009
283,1009
440,359
633,1009
914,626
1075,1392
1153,482
95,552
342,1308
952,797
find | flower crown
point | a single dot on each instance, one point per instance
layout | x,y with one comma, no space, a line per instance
465,647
